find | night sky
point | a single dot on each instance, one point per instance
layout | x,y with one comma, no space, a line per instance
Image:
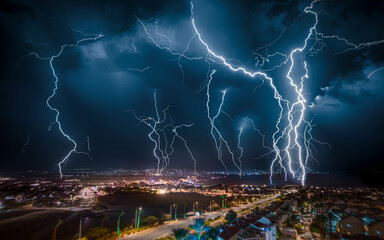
101,80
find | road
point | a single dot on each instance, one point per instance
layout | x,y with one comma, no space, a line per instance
166,228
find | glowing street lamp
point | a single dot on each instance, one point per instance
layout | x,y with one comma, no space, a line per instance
223,202
138,217
175,205
184,209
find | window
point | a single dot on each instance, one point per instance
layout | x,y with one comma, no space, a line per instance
348,225
378,232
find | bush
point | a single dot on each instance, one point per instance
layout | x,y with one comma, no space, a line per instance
314,228
150,220
96,233
299,228
230,216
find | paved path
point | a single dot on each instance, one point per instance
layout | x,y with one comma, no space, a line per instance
166,228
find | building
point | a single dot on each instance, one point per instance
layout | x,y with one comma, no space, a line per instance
352,225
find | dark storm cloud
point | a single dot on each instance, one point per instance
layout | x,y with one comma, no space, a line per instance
288,9
99,79
352,88
17,8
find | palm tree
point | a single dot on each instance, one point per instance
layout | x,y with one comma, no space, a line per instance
180,233
55,226
176,204
118,222
185,204
230,216
320,220
319,208
293,220
330,217
103,219
213,233
198,225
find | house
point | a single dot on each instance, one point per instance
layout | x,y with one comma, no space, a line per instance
377,229
254,226
290,232
229,232
252,234
379,206
350,210
352,225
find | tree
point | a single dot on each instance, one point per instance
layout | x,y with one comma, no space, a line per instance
185,204
179,233
215,206
118,222
212,233
159,214
291,221
96,233
198,225
230,216
319,208
55,226
103,219
256,209
150,220
319,220
330,217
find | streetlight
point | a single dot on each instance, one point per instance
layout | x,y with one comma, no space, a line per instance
184,209
175,205
138,218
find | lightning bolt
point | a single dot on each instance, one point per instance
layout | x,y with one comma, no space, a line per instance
214,130
134,47
172,52
277,95
89,37
375,71
158,135
290,106
176,134
25,144
88,144
153,124
291,125
292,139
243,125
241,149
139,70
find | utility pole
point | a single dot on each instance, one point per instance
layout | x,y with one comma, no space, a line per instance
170,212
210,205
80,228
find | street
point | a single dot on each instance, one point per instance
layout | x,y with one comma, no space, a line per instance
167,227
